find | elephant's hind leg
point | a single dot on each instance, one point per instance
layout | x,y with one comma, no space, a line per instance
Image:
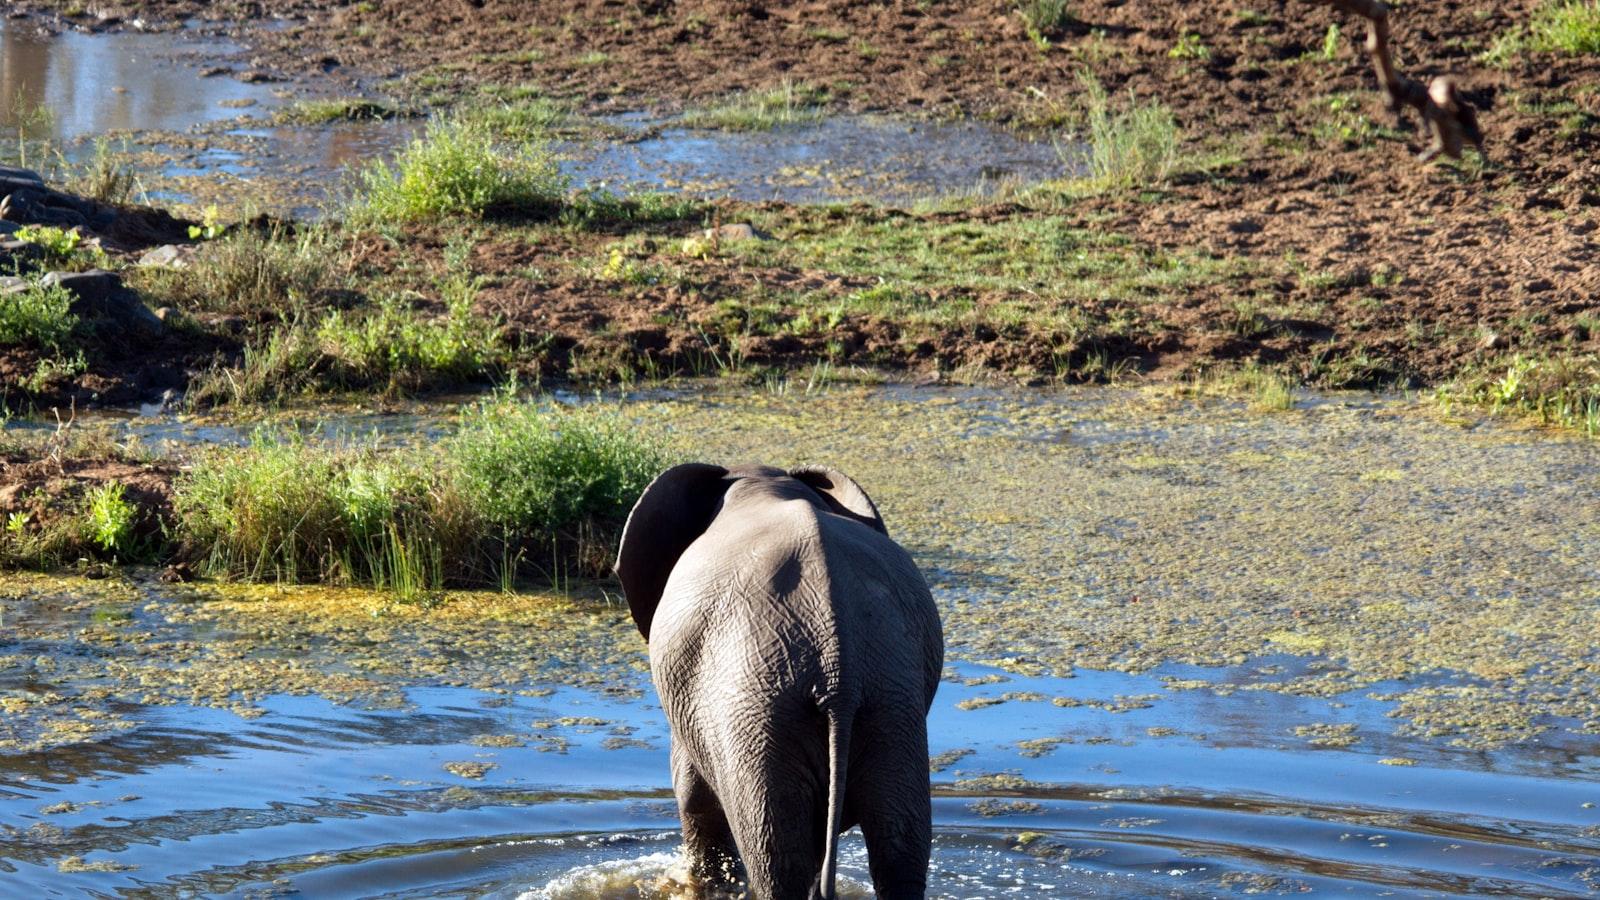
888,796
707,840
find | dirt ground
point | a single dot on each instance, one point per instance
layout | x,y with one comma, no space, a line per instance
1416,270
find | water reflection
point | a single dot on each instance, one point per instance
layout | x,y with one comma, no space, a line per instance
92,83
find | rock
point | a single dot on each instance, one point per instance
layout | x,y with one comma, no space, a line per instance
169,256
166,314
736,231
1492,341
99,295
15,179
10,284
19,252
41,206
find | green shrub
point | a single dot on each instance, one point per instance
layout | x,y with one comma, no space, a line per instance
457,169
110,517
1130,147
38,316
568,475
517,488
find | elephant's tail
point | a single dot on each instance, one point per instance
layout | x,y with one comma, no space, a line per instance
838,754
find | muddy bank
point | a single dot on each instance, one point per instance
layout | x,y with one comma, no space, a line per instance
1320,178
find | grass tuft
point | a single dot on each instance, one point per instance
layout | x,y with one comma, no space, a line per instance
392,347
517,490
250,272
1045,16
1559,391
456,168
787,104
1135,146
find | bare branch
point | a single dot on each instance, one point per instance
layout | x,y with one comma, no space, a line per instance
1449,117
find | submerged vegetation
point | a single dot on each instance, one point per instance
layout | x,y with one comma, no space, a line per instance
787,104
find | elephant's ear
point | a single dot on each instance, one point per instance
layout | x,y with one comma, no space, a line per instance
674,510
841,494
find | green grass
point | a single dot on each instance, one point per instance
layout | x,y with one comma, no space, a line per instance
1559,391
38,317
517,490
251,272
930,269
458,168
1131,145
390,347
339,109
526,118
787,104
1045,16
1567,27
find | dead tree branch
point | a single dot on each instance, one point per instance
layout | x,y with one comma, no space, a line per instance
1445,113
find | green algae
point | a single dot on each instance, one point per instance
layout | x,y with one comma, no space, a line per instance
230,646
1108,530
1126,530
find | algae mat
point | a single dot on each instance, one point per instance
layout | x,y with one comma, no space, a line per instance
1351,544
1123,530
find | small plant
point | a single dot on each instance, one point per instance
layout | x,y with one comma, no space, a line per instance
210,227
1045,17
457,169
1330,44
39,316
58,243
110,517
106,176
1131,147
1189,46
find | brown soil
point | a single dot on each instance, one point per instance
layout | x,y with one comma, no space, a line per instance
118,370
1433,267
48,488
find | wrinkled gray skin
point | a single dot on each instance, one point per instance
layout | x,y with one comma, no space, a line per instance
796,651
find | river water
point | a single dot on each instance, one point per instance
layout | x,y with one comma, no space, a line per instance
177,105
1174,671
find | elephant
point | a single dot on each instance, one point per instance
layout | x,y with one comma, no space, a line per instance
796,651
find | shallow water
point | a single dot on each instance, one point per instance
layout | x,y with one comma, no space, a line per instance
1195,650
149,87
92,84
